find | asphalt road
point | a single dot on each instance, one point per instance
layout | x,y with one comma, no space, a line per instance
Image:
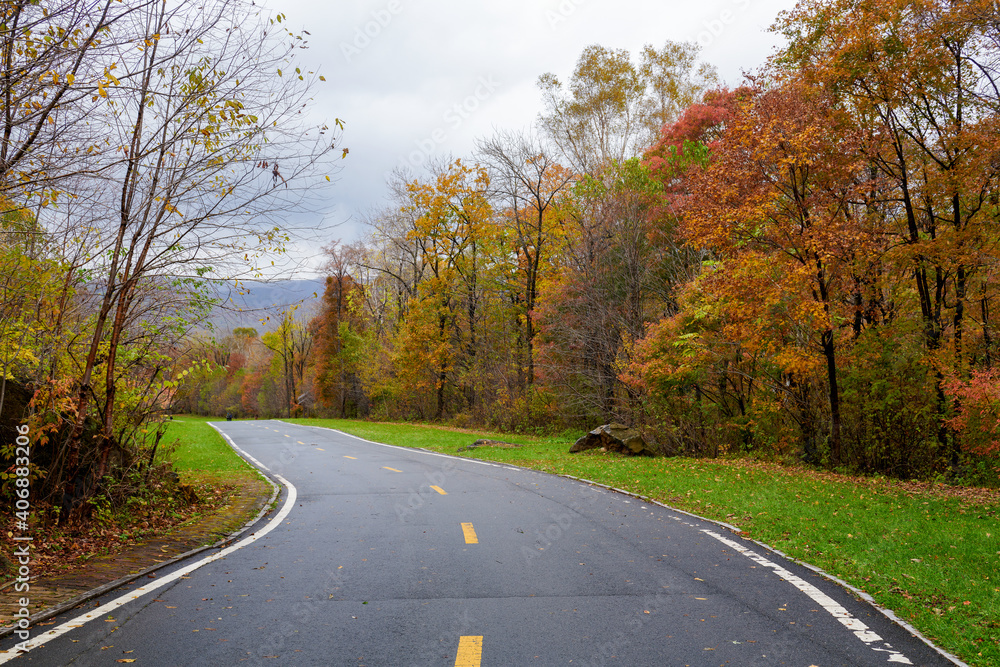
379,555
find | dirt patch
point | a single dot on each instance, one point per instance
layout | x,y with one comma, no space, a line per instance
490,443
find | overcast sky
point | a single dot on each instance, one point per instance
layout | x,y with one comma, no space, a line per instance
413,79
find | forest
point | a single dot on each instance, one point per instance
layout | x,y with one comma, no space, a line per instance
801,267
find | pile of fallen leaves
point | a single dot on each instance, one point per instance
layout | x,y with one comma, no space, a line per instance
969,494
59,549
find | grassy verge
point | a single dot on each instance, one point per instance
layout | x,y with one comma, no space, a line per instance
197,451
928,552
200,456
223,483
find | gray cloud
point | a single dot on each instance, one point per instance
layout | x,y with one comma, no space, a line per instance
396,69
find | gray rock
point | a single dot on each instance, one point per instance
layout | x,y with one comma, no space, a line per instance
614,438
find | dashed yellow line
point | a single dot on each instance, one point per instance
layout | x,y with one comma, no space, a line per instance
300,442
321,449
439,490
351,457
470,534
392,469
470,651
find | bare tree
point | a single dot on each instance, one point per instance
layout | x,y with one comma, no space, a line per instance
56,59
526,180
202,116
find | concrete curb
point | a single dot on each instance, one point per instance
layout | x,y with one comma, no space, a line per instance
51,612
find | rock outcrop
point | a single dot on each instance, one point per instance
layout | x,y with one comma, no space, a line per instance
614,438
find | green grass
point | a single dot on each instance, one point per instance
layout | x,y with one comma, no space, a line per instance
226,483
928,552
197,450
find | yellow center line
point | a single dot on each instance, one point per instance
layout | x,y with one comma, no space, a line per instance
287,436
470,651
392,469
439,490
300,442
321,449
470,534
351,457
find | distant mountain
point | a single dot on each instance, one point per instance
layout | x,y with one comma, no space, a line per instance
256,301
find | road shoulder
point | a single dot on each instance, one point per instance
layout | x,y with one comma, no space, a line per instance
67,590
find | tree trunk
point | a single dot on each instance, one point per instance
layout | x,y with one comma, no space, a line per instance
829,351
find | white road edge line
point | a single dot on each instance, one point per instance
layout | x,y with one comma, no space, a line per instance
861,631
409,449
888,613
94,614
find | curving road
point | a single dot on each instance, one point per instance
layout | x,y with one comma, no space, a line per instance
381,555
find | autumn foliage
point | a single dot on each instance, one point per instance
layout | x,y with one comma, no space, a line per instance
843,199
800,267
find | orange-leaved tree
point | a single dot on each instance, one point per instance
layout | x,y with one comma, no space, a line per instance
783,180
921,77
